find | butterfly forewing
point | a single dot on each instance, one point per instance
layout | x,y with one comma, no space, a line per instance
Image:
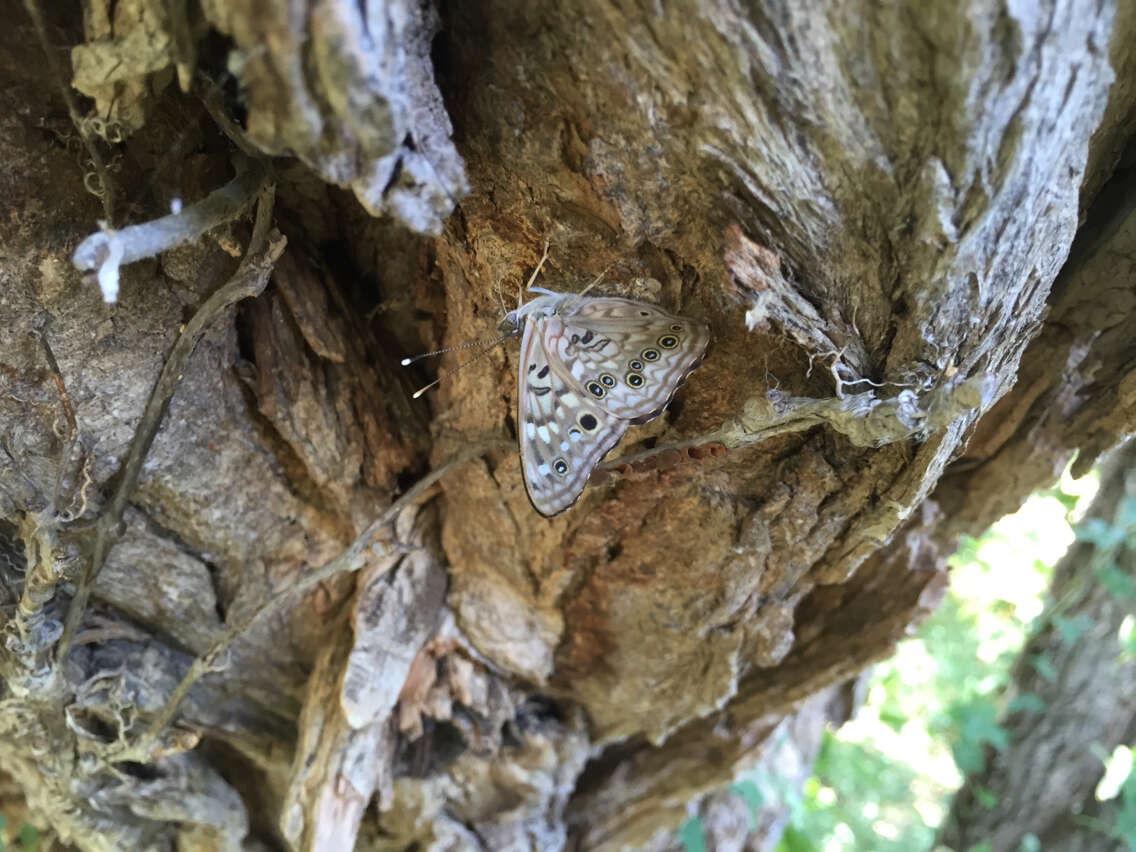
563,434
627,357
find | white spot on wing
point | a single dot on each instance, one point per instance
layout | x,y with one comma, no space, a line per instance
543,469
530,430
543,432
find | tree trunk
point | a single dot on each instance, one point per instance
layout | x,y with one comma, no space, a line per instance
1074,668
869,205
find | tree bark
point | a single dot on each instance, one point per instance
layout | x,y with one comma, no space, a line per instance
375,634
1074,665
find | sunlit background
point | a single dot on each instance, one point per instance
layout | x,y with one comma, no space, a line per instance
884,781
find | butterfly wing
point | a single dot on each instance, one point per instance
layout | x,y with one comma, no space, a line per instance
563,434
628,357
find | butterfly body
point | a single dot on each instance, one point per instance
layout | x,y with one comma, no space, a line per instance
590,368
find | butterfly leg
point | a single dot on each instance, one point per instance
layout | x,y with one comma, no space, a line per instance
532,278
593,283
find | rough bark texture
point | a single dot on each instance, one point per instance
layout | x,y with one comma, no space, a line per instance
868,203
1052,765
1083,827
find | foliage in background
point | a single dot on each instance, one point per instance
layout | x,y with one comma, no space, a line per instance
885,780
27,838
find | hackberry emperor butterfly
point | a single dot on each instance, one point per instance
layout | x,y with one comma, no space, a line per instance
591,367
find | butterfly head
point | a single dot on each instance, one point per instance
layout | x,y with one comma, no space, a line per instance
544,305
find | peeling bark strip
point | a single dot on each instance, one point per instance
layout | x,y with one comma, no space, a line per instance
1076,391
348,729
887,191
348,88
774,301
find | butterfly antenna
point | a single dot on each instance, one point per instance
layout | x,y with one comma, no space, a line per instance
406,362
450,372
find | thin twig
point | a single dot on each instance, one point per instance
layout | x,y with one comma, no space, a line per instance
107,196
210,94
68,412
715,437
348,561
657,459
249,280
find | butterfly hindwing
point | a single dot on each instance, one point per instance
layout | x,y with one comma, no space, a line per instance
627,357
563,434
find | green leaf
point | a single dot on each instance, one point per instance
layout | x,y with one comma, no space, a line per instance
985,797
1101,534
977,726
1126,814
893,719
1068,501
979,723
1030,843
1118,584
1027,702
691,835
1040,664
795,840
968,756
981,847
29,837
1126,513
966,552
749,791
1072,629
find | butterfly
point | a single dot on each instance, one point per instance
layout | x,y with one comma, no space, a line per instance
590,368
